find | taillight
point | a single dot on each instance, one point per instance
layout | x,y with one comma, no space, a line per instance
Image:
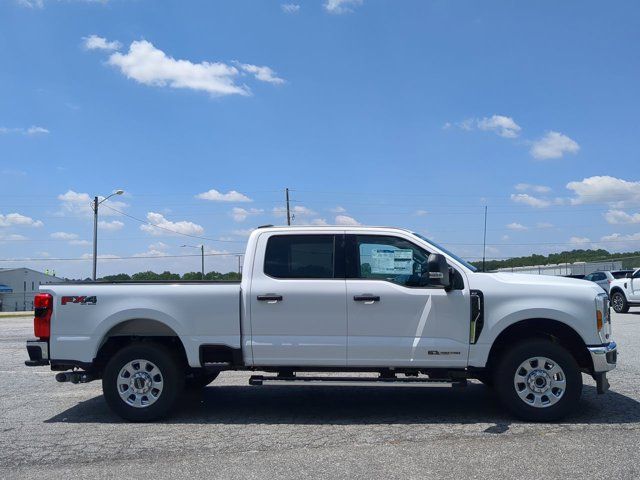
43,308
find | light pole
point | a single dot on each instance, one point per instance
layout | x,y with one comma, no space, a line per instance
94,206
201,247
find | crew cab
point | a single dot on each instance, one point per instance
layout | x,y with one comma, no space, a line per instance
384,302
625,292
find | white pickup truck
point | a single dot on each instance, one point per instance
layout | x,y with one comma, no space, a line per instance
625,292
332,299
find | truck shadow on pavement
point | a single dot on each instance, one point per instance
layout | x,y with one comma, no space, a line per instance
316,405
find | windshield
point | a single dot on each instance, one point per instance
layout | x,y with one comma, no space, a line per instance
452,255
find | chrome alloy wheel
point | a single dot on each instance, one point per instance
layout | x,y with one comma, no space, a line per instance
140,383
617,302
540,382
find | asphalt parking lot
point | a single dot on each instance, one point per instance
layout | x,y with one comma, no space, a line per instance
233,430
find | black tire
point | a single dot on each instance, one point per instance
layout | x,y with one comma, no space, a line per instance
505,381
171,378
619,302
197,381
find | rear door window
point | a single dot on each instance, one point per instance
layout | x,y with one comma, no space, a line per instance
300,256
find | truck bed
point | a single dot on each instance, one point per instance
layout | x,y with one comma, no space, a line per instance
85,313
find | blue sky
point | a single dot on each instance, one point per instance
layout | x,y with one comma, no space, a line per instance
413,113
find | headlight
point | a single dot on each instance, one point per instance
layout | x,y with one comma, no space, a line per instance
602,310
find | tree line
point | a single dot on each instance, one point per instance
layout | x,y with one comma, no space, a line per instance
629,259
150,276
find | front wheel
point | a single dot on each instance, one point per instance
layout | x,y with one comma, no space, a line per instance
142,381
619,302
539,381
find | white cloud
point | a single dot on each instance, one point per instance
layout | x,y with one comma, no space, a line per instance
421,213
341,6
149,65
216,196
553,145
620,242
516,226
158,220
524,187
32,131
264,74
158,249
12,237
296,211
605,189
63,236
111,226
530,200
76,203
315,221
579,240
241,214
18,220
338,209
544,225
505,237
504,126
94,42
83,243
41,3
290,7
346,220
619,216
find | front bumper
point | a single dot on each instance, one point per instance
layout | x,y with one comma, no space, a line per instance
604,357
38,353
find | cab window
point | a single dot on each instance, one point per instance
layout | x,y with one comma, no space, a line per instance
387,258
300,256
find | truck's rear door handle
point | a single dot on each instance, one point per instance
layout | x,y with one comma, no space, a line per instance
270,298
367,299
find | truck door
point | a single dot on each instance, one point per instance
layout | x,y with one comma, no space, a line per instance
635,286
391,322
298,300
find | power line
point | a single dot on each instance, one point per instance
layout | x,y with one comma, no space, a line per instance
38,259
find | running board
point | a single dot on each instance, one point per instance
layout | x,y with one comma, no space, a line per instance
361,381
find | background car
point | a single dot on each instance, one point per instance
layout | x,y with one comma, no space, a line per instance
604,279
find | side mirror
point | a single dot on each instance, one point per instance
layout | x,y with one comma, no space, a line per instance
437,274
629,275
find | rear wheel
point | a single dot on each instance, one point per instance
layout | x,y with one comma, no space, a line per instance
142,381
538,381
619,302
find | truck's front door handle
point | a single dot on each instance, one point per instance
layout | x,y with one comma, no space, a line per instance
270,298
367,299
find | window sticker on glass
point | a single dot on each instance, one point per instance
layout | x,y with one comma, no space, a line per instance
385,261
403,261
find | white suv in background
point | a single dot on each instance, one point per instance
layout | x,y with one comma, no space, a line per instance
604,279
625,292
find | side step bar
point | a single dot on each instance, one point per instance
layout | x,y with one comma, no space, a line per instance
362,381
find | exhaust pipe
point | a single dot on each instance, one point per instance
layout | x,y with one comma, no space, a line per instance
74,377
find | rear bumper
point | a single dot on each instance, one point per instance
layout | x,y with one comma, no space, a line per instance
38,353
604,357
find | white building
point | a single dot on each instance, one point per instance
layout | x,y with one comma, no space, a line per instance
18,286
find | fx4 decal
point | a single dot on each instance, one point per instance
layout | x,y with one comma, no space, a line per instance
81,300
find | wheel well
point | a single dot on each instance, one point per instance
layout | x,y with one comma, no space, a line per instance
616,289
553,330
137,330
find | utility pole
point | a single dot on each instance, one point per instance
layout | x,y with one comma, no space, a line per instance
95,237
239,264
286,190
202,250
484,243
